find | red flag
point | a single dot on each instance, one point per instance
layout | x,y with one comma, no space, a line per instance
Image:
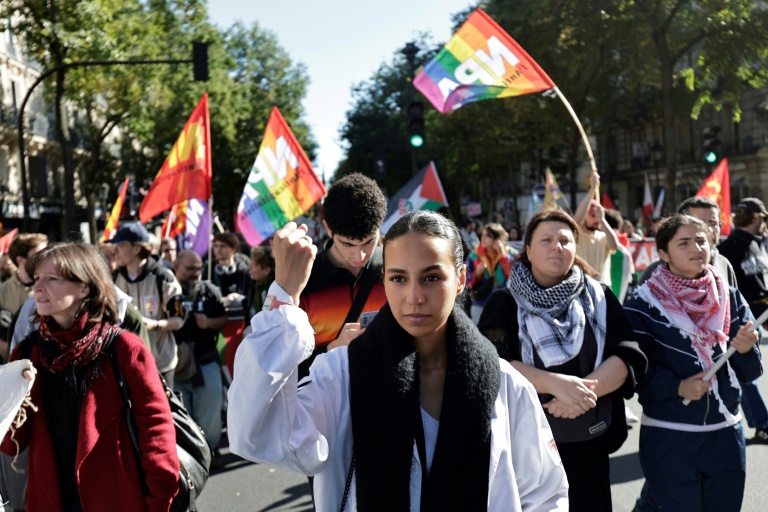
717,187
607,203
186,173
5,241
647,202
114,217
174,223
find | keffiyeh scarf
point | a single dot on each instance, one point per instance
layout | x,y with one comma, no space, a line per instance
700,308
552,320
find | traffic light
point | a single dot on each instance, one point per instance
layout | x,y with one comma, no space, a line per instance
415,113
711,144
200,61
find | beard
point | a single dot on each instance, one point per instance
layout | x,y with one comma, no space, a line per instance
591,229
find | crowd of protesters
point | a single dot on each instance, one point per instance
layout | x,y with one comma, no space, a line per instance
343,358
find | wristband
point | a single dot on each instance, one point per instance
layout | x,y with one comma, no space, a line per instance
271,303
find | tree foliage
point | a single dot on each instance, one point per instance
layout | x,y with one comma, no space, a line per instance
249,74
623,64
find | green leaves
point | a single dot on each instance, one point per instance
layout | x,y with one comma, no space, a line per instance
249,74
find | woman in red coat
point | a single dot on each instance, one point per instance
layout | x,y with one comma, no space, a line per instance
80,454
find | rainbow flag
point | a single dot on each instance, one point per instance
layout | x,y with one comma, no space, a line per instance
281,186
480,62
189,222
186,172
114,217
422,192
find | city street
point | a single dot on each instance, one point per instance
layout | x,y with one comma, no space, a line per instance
240,486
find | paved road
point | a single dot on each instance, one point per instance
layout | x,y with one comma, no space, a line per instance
244,487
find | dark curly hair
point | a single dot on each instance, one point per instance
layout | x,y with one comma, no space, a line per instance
355,207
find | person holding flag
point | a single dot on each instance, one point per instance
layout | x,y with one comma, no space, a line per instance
597,240
685,318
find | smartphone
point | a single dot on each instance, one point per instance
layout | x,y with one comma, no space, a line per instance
367,318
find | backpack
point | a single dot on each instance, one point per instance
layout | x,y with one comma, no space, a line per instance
193,450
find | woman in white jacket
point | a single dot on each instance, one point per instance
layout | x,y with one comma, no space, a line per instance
418,413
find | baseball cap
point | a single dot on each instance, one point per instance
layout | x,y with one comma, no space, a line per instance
753,205
132,232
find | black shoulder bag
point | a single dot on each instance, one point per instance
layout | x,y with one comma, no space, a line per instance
193,450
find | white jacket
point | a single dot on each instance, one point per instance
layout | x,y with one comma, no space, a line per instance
308,428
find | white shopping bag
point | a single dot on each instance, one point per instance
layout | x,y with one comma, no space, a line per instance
14,387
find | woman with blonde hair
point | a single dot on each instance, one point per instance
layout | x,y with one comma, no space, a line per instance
75,428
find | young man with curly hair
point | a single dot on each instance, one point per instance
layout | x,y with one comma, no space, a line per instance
351,260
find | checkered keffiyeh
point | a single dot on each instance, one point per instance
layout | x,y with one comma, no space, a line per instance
700,307
552,320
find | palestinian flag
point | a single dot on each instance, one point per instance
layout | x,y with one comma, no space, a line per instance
621,273
423,192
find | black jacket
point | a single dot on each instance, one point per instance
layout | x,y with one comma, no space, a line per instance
750,263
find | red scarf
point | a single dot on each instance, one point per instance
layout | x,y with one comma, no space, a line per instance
80,344
701,307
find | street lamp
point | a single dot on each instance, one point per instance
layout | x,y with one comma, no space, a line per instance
657,153
199,61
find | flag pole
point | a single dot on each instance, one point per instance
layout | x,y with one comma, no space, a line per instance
210,244
583,135
171,219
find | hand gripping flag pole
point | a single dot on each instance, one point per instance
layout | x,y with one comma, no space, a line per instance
728,353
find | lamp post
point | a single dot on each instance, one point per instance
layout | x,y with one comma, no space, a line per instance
200,61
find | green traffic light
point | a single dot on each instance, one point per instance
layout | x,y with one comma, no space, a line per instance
417,140
710,157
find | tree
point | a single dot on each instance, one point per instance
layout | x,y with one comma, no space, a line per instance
60,32
51,30
714,49
250,74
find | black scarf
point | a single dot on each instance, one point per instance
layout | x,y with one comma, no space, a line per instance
386,418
